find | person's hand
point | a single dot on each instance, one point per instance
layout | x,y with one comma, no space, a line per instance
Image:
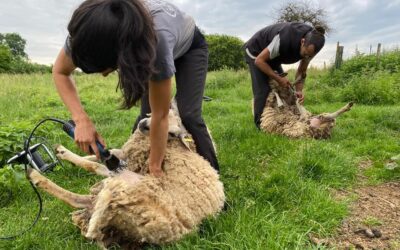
86,136
300,96
156,170
284,82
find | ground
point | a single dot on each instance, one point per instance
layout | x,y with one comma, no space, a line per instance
373,222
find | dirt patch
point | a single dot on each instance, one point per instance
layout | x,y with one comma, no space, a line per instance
365,164
374,221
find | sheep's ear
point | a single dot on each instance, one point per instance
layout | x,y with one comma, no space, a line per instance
184,141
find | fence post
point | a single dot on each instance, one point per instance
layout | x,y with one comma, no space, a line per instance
378,53
339,56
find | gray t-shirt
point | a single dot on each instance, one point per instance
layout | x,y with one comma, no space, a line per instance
175,31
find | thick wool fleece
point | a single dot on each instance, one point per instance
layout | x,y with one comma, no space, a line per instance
283,121
153,210
286,120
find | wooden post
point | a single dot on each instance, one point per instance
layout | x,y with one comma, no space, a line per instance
357,52
378,53
370,49
341,50
339,56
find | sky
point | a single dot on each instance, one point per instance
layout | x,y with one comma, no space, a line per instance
356,23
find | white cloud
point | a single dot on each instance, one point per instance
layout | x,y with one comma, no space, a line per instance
392,4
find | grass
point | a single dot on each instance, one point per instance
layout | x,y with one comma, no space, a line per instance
372,222
278,189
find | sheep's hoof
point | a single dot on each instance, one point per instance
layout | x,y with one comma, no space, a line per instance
60,151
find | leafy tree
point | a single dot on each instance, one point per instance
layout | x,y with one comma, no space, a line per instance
5,58
225,52
15,42
302,11
13,58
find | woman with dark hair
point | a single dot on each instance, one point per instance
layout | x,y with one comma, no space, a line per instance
147,42
274,45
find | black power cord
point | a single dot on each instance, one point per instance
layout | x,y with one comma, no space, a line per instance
27,149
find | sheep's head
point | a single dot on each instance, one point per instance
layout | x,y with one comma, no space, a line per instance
280,95
321,125
176,130
175,126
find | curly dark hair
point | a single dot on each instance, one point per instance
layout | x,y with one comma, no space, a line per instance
115,34
316,37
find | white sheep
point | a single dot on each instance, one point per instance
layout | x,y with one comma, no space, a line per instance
284,115
132,207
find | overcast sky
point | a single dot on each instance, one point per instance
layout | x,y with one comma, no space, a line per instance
356,22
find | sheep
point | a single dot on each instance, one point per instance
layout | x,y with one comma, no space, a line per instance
284,115
131,207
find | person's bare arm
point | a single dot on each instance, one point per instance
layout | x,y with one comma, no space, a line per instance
261,63
85,131
301,75
159,97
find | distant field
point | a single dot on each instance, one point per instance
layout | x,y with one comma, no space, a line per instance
279,190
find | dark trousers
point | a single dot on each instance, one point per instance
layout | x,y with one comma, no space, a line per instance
261,88
191,71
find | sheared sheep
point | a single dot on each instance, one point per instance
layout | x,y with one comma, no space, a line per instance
131,207
284,115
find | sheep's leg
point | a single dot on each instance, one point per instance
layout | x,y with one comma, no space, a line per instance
304,114
339,112
72,199
90,166
278,100
117,152
91,158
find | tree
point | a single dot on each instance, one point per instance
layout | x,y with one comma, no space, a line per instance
16,44
5,58
225,52
302,11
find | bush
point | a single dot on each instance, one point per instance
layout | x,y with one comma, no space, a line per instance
361,79
225,52
21,66
13,58
363,65
12,137
389,61
379,87
5,58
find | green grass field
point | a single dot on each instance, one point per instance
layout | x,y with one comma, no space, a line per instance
278,190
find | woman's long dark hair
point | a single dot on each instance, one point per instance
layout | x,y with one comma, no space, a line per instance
115,34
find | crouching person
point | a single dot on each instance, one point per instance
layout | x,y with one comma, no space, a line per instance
274,45
147,42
